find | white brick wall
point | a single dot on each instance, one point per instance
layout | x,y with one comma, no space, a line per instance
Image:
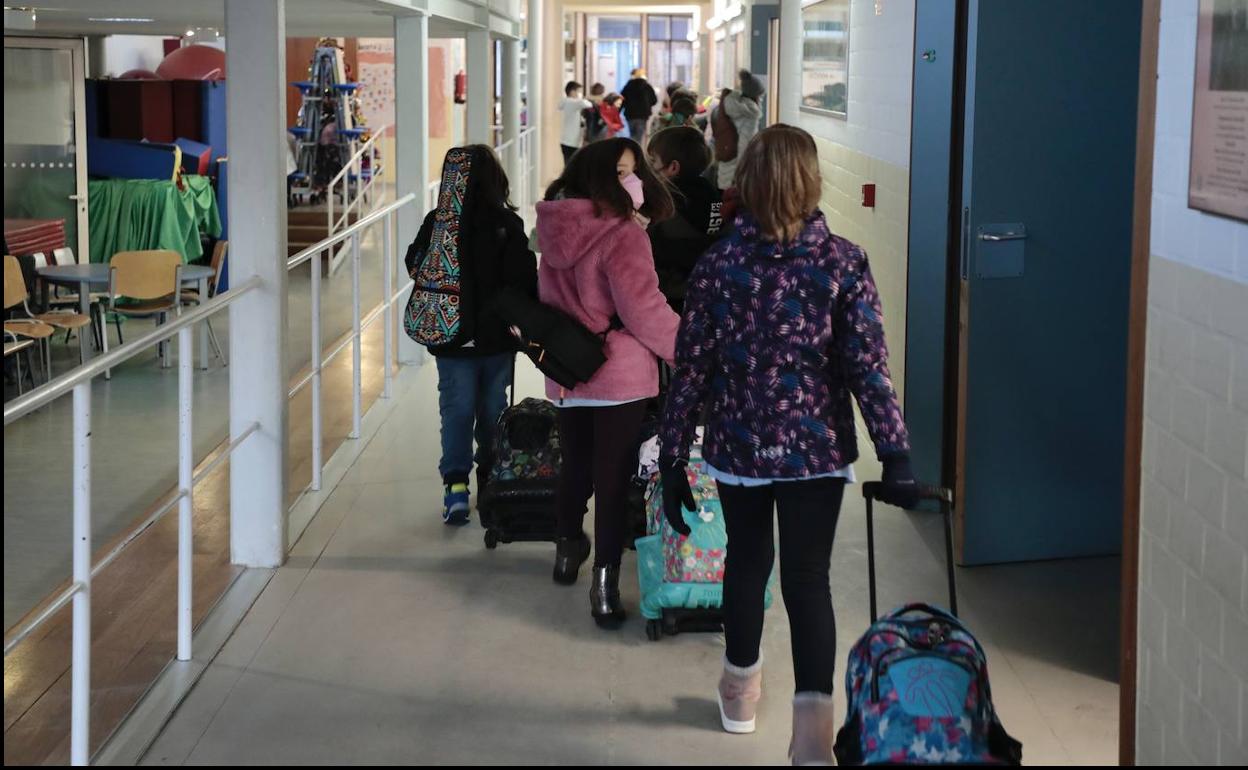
1193,602
1192,704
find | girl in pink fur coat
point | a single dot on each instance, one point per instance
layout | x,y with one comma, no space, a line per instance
596,266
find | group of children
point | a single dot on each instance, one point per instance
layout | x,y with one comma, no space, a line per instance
771,323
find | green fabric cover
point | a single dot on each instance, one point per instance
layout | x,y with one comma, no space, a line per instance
138,214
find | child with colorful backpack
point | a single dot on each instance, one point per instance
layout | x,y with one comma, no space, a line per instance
782,324
469,247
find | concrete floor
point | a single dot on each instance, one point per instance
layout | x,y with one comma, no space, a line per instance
389,638
134,421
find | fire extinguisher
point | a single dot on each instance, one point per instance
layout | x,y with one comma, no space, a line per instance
461,87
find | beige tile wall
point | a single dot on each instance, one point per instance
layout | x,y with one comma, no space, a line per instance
883,233
1193,601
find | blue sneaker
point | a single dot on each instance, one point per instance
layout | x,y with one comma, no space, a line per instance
455,505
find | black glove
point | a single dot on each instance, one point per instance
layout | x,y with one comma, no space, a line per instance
676,492
899,487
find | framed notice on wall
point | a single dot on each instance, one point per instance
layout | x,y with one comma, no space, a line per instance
1219,176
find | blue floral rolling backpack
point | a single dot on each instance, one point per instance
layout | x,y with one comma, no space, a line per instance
917,681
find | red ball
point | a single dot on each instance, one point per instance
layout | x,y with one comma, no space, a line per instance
139,74
193,62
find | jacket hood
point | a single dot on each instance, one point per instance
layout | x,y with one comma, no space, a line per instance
569,231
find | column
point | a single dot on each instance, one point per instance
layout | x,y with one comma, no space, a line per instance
790,58
411,107
255,31
511,114
549,59
480,88
536,88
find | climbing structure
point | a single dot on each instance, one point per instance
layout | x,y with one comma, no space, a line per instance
328,125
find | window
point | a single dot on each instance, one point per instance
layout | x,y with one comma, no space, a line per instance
614,50
825,56
669,53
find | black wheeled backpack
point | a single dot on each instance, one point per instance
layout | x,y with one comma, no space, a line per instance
518,503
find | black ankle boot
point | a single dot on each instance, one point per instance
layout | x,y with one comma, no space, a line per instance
604,597
570,554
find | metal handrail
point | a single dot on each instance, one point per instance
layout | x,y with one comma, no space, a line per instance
355,227
79,382
352,165
50,391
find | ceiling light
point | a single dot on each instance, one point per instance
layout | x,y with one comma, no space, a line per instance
190,33
122,20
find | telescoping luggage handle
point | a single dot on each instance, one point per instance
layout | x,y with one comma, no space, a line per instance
871,493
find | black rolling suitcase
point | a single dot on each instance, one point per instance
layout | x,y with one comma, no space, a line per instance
518,502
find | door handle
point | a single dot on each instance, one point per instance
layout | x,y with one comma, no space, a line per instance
1002,236
79,198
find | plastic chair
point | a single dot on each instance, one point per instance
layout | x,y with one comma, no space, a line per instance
191,296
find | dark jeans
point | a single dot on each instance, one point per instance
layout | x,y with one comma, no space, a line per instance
568,152
599,455
472,393
808,512
637,129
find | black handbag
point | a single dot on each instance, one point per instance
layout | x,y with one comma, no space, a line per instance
557,344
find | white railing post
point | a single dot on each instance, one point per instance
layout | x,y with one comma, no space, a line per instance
316,371
387,297
330,225
355,331
80,657
186,468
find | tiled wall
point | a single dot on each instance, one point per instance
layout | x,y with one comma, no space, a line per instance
1192,700
1193,598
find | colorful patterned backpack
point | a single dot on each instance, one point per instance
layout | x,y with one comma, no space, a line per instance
526,444
438,312
678,572
917,685
518,502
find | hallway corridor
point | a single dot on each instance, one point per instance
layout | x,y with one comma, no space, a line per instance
390,638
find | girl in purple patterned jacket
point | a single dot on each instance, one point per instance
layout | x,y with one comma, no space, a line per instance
782,326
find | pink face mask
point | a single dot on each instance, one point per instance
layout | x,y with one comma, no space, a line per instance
632,184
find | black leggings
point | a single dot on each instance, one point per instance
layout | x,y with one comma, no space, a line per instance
808,513
599,458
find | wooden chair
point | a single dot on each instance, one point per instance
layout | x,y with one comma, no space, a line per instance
191,296
151,281
64,299
15,294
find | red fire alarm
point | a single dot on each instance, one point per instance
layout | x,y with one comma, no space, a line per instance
868,196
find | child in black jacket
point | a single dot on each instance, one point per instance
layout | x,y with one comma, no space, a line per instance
473,378
680,155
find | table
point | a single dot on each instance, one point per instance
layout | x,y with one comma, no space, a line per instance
85,277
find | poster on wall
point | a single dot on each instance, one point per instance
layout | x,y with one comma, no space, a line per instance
825,56
1219,177
376,57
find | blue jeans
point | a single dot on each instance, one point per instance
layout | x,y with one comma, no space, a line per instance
470,390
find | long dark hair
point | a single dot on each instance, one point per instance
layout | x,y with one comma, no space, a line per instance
591,174
490,180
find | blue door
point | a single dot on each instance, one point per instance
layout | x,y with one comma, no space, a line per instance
1046,216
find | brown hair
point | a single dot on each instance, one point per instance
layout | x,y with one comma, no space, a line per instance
684,144
778,180
591,174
